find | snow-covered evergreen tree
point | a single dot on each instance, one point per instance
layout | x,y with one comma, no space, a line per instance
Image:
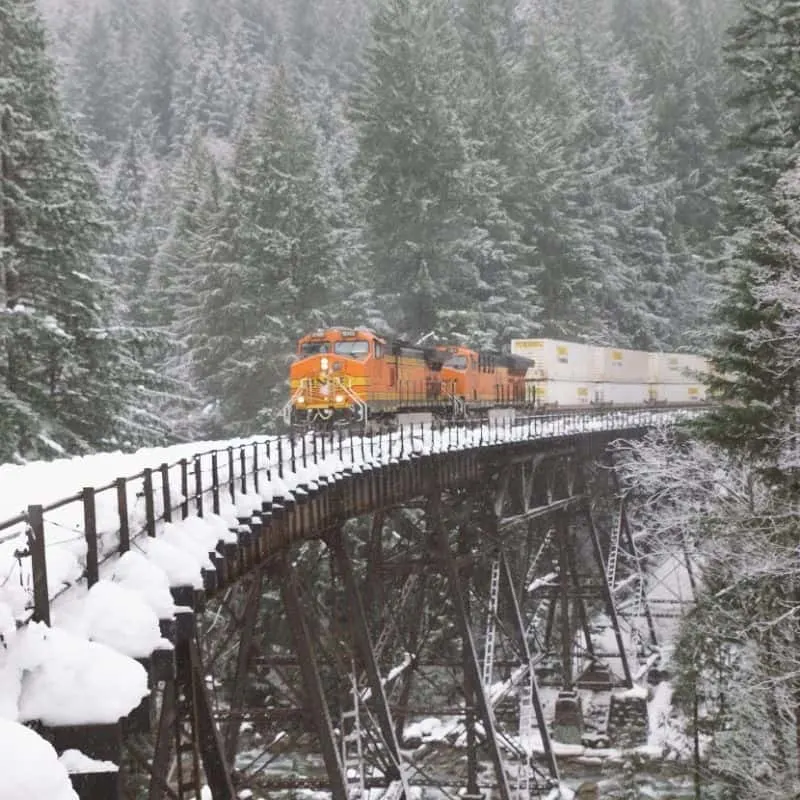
493,112
64,376
412,157
265,280
754,374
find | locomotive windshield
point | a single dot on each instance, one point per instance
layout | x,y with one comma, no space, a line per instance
356,348
312,348
456,362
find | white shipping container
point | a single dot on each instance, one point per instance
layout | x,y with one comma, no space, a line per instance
615,365
561,393
677,392
621,394
554,359
675,367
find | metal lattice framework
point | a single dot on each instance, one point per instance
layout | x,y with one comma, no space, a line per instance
483,559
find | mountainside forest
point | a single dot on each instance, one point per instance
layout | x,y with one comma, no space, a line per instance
191,185
186,186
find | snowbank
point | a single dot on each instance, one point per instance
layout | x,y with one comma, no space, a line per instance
66,680
30,766
77,762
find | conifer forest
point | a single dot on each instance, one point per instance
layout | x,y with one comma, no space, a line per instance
187,186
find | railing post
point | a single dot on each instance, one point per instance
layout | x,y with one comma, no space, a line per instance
150,514
293,455
122,511
305,461
243,469
255,468
198,485
231,477
41,598
214,483
185,488
90,532
280,457
165,492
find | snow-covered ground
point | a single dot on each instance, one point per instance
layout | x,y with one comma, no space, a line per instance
81,670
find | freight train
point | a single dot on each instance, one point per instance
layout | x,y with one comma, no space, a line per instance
353,375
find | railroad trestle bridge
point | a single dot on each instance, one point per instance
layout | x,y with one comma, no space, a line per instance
362,581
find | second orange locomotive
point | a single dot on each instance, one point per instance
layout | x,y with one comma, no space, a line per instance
351,374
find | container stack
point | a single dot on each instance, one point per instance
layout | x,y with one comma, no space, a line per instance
569,374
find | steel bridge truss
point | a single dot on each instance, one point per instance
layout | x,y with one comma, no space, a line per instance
480,593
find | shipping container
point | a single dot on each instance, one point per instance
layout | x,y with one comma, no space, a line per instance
677,393
554,359
561,393
620,394
675,367
616,365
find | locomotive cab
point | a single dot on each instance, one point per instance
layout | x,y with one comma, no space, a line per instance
329,376
459,377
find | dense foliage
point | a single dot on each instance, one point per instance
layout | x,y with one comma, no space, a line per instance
480,170
737,653
69,378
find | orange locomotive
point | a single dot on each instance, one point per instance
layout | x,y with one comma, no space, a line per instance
351,374
480,380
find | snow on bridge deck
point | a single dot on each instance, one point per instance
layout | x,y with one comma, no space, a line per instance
81,670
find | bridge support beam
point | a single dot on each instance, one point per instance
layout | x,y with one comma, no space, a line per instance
472,792
249,619
217,773
443,552
611,609
522,641
366,652
187,728
159,769
311,677
631,543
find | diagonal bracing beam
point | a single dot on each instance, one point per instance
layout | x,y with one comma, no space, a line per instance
361,636
522,639
443,552
311,677
608,597
249,619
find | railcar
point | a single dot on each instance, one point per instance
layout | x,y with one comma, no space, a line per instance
352,374
480,380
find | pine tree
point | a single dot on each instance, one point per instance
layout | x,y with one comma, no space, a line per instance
493,115
265,281
412,161
195,194
162,53
754,375
93,86
64,375
758,371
